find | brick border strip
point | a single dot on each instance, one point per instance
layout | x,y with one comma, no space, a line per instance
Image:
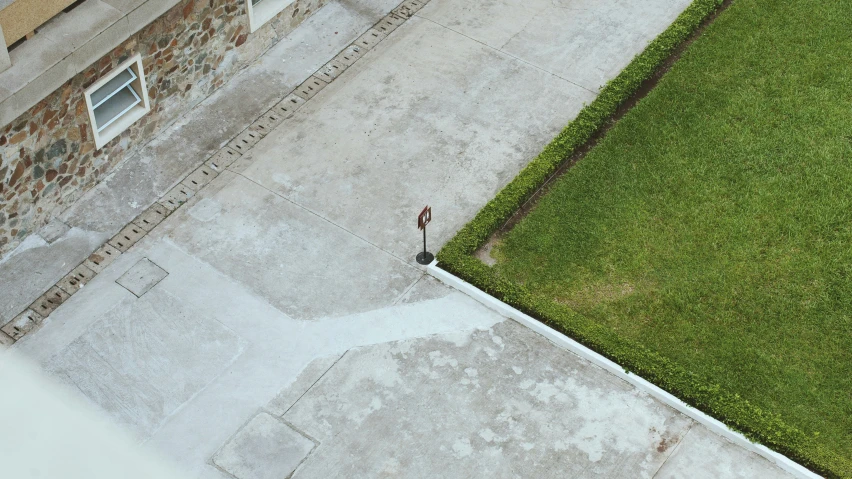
31,318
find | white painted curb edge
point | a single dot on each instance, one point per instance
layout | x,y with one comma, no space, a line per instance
569,344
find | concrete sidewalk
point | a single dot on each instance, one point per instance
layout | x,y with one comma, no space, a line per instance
277,322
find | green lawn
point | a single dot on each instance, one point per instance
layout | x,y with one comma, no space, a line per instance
713,223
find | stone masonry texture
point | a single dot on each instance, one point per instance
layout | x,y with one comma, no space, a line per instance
48,157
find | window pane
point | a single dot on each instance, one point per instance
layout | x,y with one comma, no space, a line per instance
111,109
114,84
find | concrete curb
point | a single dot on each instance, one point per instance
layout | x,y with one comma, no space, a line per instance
569,344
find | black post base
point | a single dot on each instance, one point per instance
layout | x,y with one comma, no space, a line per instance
425,257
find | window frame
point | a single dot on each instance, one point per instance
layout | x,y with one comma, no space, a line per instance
267,10
102,134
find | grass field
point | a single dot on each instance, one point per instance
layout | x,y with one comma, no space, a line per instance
713,223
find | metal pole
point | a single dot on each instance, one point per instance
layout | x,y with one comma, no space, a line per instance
425,257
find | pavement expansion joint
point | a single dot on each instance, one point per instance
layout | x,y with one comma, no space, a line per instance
517,58
265,443
320,216
32,317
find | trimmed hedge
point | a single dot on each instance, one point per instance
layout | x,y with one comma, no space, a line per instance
457,258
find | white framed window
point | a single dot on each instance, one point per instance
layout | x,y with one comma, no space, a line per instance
117,100
261,11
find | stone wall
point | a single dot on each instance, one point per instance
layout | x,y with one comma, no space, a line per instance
48,158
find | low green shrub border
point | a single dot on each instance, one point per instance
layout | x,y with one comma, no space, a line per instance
457,258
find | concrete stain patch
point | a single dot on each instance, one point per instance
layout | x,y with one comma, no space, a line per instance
54,230
206,210
703,455
282,251
209,169
145,358
141,277
498,403
265,448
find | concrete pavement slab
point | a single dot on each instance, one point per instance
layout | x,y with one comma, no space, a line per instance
30,270
146,358
307,378
425,289
372,9
704,455
298,261
140,180
265,448
492,22
276,348
428,116
587,42
53,231
498,403
143,276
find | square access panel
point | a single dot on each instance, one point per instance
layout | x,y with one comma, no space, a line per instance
141,277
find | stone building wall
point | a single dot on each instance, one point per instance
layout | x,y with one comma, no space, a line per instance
48,157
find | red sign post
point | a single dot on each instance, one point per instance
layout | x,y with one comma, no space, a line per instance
423,219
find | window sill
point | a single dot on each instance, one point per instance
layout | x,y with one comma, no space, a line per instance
118,126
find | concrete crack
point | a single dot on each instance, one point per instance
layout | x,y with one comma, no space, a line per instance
522,30
511,56
691,424
308,390
324,218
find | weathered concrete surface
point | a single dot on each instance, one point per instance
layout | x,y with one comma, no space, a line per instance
395,133
587,42
291,288
140,180
299,262
497,403
291,393
703,455
265,448
36,265
270,350
493,404
145,358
